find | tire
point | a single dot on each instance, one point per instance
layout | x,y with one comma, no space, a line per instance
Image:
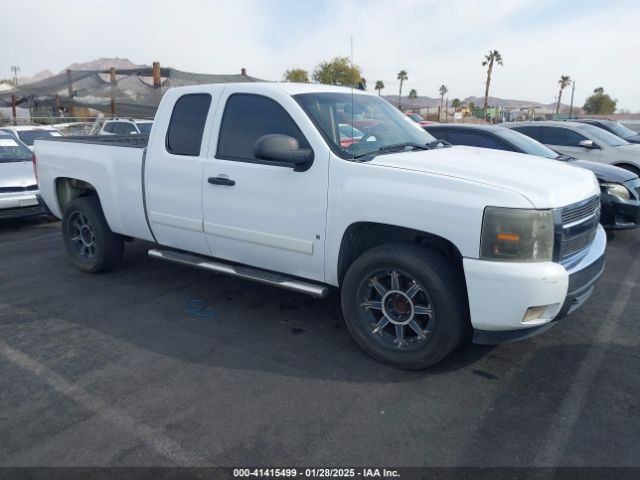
89,241
426,289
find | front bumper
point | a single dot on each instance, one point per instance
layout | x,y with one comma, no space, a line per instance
619,214
20,204
500,293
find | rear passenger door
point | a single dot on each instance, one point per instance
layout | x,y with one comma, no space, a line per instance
266,215
173,171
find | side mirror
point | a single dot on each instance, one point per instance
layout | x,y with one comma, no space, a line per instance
588,144
283,149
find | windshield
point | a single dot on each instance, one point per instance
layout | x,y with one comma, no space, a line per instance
30,136
415,117
526,144
145,128
13,151
602,136
619,129
380,124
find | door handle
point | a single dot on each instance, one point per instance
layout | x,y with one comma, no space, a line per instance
221,181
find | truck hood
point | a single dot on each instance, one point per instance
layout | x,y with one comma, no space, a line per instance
604,173
16,174
544,182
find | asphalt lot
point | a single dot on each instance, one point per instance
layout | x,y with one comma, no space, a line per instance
112,369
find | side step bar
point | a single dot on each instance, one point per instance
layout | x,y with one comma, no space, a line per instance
262,276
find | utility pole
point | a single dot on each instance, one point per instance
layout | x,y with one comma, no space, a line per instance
112,73
573,90
15,69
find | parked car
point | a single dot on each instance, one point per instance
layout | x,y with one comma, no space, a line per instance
582,141
620,189
416,117
126,126
425,243
18,186
28,134
612,126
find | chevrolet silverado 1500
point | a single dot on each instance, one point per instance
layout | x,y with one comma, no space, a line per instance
426,242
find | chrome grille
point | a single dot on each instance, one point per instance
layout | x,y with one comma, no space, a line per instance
579,226
28,188
580,211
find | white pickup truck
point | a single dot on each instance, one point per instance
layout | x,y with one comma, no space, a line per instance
429,244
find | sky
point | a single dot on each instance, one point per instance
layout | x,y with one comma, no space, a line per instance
595,42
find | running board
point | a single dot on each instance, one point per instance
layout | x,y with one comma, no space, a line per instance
262,276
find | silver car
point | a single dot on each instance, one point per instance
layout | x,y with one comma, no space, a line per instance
583,141
18,186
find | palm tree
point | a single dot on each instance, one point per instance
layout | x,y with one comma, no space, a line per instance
402,76
490,59
564,82
379,86
443,91
456,103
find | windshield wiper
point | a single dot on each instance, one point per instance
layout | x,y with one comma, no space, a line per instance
435,143
396,147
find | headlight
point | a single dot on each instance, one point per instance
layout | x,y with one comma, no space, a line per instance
517,235
616,190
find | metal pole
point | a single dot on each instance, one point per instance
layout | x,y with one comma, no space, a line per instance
13,108
573,90
113,91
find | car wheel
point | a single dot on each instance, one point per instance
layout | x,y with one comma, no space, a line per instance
405,305
89,241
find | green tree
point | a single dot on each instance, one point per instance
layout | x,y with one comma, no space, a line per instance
379,86
600,103
338,71
492,58
297,75
443,91
564,82
455,103
402,76
413,94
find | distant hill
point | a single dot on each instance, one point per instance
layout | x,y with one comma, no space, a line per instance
35,78
104,64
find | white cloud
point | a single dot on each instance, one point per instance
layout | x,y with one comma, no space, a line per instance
436,42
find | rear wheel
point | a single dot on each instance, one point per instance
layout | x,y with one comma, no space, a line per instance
89,241
405,305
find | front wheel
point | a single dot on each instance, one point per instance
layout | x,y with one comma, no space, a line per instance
405,305
89,241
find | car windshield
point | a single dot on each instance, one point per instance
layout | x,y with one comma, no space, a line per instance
525,144
619,129
383,127
415,117
30,136
13,151
602,136
145,128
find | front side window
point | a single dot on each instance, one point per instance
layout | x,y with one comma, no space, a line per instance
383,126
109,127
145,128
186,127
561,136
602,136
475,140
525,143
531,131
248,117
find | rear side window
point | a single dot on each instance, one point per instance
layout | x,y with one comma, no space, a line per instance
561,136
118,128
532,132
184,135
248,117
475,140
439,133
109,127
